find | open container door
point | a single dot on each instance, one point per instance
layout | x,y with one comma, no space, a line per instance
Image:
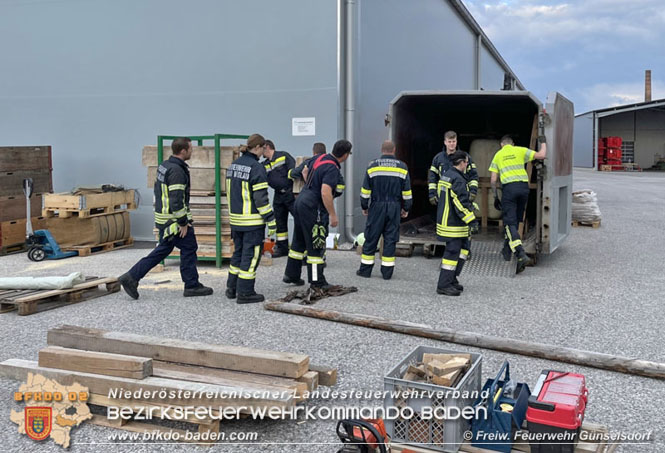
558,177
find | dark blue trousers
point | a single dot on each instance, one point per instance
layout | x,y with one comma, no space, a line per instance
383,219
248,247
514,197
188,248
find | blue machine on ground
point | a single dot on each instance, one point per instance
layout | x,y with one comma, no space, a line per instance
41,242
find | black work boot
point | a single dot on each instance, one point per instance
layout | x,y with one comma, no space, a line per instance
129,285
197,291
457,286
280,250
448,291
253,298
522,260
506,252
292,281
230,293
387,272
365,270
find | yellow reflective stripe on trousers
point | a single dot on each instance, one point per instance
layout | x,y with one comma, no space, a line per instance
296,255
234,270
367,259
314,260
387,261
282,236
255,259
449,265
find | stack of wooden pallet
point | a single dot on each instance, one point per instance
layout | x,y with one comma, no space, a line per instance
202,195
232,376
29,301
16,164
90,220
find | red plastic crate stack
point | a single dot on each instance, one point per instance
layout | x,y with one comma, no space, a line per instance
609,152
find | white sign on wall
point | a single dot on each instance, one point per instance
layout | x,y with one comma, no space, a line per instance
303,126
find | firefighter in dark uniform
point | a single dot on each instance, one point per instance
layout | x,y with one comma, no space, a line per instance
455,221
508,165
300,172
173,221
385,197
441,163
314,209
278,164
249,213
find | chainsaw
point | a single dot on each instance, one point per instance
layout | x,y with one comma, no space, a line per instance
362,436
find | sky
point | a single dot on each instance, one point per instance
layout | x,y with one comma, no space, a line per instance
594,52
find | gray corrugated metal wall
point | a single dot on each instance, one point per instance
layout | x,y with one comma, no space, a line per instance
408,46
583,141
98,80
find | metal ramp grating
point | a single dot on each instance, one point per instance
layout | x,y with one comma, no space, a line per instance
486,260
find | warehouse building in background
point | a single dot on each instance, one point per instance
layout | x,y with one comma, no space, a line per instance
99,80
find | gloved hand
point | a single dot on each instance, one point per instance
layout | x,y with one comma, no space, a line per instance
474,227
542,139
433,201
272,229
497,204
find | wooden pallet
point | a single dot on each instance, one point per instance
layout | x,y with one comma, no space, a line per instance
578,223
87,250
88,204
9,249
582,447
28,302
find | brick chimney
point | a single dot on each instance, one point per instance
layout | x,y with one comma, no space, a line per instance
647,86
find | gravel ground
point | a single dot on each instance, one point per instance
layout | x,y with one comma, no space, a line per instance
601,291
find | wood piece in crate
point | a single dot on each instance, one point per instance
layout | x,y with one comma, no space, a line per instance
207,200
188,352
22,158
201,394
87,250
33,301
219,376
11,183
88,204
298,184
14,207
95,362
202,156
327,375
202,179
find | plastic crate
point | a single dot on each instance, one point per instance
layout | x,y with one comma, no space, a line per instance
434,434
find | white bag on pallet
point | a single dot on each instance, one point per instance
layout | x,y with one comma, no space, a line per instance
585,206
42,282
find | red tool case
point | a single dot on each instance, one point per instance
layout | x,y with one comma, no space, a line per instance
556,411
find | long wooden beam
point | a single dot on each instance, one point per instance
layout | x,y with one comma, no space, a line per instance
185,393
620,364
188,352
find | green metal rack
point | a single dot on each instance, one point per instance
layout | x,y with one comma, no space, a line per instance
217,139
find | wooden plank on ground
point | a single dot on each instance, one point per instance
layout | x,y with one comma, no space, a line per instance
95,362
327,375
218,376
236,358
198,393
311,378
